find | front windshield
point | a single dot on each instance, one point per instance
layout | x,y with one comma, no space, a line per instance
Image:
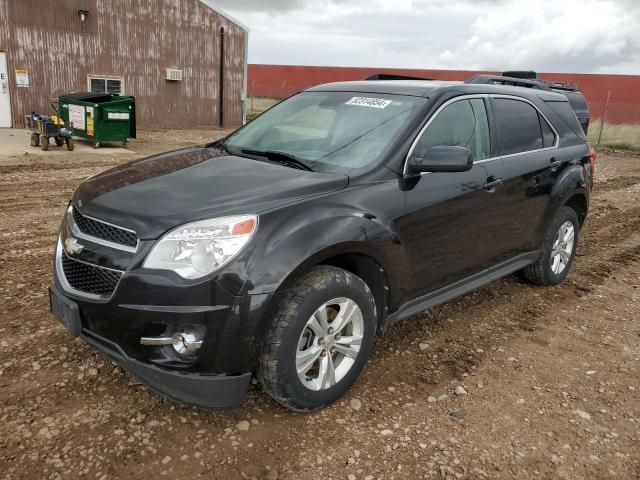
329,130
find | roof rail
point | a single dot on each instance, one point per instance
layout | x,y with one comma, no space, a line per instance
531,75
569,87
393,76
510,81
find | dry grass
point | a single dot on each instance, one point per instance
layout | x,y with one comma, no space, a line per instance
624,134
257,105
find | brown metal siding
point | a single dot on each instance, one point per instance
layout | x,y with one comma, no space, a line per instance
4,24
133,39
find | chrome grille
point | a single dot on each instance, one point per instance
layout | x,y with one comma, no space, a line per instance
104,231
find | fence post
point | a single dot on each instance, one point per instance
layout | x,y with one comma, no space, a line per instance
252,93
283,86
604,117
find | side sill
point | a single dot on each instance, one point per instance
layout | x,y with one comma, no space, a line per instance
462,287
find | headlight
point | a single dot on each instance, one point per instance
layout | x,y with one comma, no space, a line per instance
199,248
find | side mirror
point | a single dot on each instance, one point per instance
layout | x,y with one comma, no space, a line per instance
442,158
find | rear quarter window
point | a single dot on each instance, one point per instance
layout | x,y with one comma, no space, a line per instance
568,116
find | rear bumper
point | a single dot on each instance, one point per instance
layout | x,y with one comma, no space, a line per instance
202,390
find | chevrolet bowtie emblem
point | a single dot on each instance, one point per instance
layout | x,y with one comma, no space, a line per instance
72,247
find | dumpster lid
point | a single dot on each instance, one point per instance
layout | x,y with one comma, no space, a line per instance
89,96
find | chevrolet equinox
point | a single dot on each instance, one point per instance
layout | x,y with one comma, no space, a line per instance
284,249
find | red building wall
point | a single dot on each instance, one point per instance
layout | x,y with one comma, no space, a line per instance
284,80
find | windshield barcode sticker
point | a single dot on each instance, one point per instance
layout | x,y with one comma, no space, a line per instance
369,102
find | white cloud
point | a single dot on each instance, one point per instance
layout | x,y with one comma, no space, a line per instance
547,35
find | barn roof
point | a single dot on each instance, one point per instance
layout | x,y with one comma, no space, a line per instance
212,5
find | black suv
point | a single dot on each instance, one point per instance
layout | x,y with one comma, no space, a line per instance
282,250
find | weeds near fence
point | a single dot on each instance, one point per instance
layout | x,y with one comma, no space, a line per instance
257,105
625,136
621,146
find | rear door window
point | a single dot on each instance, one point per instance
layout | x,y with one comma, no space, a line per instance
518,126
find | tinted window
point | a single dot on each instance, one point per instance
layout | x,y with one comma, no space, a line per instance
548,137
518,126
568,115
462,124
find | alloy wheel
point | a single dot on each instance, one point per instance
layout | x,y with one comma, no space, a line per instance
563,247
329,343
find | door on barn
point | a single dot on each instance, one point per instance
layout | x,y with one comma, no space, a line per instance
5,102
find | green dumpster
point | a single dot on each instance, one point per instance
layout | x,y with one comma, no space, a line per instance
99,117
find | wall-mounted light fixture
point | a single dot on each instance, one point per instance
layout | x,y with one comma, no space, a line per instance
84,16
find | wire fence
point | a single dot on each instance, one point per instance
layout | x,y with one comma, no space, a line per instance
277,90
612,123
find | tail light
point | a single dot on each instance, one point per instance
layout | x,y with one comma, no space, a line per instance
592,159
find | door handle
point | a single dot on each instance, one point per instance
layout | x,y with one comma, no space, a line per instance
555,164
491,184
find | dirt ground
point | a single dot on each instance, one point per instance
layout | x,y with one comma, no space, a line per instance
550,374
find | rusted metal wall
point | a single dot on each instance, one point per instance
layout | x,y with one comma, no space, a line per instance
132,39
283,80
4,24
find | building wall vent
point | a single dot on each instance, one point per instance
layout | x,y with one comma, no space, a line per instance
174,75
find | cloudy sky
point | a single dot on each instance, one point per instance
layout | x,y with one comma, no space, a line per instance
545,35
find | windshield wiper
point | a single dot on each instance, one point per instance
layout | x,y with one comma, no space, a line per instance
282,158
220,145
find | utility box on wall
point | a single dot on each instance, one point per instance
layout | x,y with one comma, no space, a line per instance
173,75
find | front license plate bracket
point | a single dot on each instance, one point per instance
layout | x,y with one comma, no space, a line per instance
66,311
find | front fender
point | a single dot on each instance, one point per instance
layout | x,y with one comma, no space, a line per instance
290,242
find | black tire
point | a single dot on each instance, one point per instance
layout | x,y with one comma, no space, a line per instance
44,143
277,371
540,272
59,141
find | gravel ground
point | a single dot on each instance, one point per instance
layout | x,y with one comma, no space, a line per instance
511,381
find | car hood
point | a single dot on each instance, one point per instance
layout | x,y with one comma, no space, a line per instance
155,194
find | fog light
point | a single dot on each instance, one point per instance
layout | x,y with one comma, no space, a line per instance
185,342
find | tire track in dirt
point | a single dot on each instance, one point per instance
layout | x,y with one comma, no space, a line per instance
61,416
617,184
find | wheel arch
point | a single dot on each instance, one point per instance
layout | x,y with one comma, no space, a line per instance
360,262
579,203
570,189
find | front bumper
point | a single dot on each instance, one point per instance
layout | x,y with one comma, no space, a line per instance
202,390
151,305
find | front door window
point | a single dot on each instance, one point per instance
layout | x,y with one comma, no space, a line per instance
462,124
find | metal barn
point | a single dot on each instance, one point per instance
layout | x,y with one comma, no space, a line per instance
183,60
